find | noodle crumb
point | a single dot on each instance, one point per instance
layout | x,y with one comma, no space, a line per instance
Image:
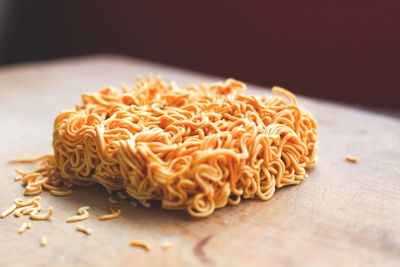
166,245
141,244
24,226
352,159
83,229
43,241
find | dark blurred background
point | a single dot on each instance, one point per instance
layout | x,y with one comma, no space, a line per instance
345,51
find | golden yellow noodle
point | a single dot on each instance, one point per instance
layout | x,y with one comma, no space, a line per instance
21,203
8,211
43,241
112,215
25,210
352,159
83,214
57,192
199,148
166,245
27,207
141,244
84,229
44,176
113,212
24,226
35,216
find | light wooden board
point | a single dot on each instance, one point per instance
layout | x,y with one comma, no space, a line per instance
342,215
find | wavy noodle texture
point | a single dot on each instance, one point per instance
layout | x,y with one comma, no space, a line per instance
198,148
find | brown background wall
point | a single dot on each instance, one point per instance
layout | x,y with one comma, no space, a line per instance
339,50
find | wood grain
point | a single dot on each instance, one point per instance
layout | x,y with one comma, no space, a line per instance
343,214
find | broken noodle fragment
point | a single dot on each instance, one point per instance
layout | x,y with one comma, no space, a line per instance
43,241
82,214
83,229
35,216
352,159
24,226
141,244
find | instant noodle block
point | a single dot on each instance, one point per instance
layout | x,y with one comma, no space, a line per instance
199,148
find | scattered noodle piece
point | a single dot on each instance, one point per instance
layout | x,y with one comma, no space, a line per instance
27,209
133,203
141,244
352,159
43,241
45,176
83,214
35,216
166,245
24,226
8,211
226,221
83,209
20,203
83,229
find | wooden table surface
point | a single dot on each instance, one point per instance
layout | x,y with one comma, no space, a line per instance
343,215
